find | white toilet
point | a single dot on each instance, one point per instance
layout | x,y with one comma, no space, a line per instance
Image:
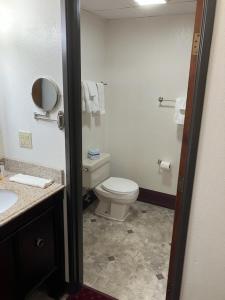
115,195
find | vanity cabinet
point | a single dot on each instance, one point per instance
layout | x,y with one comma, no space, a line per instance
7,275
36,249
32,253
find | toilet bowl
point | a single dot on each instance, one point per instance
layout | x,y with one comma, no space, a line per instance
115,196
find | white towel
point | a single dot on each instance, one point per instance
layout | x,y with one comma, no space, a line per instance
179,117
101,97
93,92
86,97
181,103
83,98
180,108
31,180
91,101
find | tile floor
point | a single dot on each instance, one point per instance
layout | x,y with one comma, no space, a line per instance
128,260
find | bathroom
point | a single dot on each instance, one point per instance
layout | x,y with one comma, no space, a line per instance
99,125
138,56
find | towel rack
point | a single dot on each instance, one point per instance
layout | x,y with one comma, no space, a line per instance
161,99
105,83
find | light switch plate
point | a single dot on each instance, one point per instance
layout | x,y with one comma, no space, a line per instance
25,139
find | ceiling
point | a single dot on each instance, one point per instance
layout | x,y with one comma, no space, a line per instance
118,9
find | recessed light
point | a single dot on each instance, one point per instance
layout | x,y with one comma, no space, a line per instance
149,2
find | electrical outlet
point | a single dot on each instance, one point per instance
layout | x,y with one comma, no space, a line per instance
25,139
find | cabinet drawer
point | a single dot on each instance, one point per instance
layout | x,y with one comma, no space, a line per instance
36,250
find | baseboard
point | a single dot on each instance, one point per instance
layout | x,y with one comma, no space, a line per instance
157,198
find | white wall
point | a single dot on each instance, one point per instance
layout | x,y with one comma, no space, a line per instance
1,133
1,145
30,47
93,50
146,58
204,270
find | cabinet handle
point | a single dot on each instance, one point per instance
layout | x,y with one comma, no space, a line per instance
40,243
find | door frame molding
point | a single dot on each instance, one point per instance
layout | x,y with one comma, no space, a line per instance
73,134
192,127
71,58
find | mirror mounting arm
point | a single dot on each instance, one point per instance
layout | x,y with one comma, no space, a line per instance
46,117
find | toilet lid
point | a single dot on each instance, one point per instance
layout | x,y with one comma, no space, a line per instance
119,185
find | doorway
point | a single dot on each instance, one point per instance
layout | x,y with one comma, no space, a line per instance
141,61
196,88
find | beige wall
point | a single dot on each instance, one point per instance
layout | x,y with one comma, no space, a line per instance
204,270
30,47
141,59
93,51
147,58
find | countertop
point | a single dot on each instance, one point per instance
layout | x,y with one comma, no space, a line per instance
28,197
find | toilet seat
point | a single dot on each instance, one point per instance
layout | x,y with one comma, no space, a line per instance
118,197
120,186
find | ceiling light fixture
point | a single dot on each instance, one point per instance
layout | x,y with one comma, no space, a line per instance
149,2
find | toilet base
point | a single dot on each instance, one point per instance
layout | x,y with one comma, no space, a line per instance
112,211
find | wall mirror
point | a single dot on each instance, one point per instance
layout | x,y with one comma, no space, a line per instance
45,94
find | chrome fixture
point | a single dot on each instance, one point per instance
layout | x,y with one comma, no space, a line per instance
161,99
46,117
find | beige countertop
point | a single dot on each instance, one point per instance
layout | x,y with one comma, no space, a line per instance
28,197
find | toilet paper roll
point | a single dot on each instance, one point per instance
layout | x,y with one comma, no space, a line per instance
165,165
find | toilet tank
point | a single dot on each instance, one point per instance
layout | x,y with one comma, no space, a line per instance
96,171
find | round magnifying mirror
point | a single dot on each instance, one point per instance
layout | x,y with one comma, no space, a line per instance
45,94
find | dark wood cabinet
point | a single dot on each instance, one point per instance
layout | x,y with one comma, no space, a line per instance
36,249
32,249
7,270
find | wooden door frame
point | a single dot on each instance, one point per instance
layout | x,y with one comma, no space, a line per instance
71,57
73,133
204,24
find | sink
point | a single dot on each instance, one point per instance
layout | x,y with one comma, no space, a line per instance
7,199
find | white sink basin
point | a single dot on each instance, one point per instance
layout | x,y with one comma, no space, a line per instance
7,199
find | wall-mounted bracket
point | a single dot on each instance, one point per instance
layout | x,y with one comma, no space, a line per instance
46,117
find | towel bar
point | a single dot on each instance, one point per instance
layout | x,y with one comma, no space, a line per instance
161,99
